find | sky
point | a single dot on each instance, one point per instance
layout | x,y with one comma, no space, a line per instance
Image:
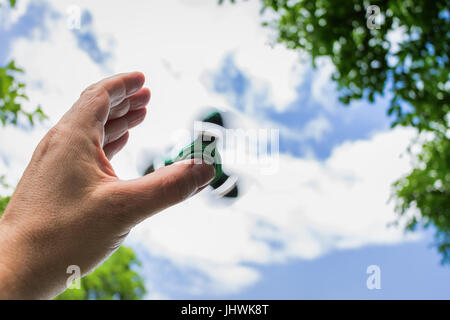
311,219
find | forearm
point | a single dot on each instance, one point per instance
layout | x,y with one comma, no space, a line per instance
22,275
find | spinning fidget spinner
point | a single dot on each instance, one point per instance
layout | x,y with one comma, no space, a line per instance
204,148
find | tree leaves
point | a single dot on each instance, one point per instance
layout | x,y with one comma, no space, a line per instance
115,279
3,203
12,95
427,188
12,3
363,57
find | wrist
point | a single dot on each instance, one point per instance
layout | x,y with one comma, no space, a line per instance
20,277
9,279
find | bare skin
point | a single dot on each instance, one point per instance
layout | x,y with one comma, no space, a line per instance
70,208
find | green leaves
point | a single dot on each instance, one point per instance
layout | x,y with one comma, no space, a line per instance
427,188
12,3
363,58
116,279
12,95
3,203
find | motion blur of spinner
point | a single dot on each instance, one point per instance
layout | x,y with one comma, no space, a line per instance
205,147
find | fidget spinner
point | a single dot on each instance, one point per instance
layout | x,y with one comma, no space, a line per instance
204,148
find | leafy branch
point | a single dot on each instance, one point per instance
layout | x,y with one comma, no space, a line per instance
12,94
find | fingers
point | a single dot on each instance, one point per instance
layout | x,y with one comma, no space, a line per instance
136,101
114,147
163,188
93,106
121,86
116,128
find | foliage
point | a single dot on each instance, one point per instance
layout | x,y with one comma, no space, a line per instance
114,280
3,203
363,58
406,57
427,188
11,91
12,3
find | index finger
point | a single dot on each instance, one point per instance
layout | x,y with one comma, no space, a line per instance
96,101
122,85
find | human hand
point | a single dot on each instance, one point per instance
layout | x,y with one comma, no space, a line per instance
70,208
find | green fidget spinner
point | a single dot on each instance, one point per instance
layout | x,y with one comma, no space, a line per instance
204,148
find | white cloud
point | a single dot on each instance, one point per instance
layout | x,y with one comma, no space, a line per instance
307,209
15,152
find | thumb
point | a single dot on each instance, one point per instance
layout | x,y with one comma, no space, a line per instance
163,188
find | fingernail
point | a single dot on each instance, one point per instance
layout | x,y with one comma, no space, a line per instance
139,80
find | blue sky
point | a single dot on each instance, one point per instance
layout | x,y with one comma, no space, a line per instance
408,271
357,121
318,126
28,22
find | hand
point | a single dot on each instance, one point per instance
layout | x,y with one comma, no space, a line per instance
70,208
